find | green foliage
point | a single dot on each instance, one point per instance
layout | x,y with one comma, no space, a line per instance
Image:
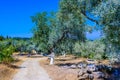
71,19
9,46
69,27
65,30
90,49
106,14
6,50
1,38
7,54
24,45
109,13
41,30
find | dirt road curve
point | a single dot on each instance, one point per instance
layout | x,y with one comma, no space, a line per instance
31,70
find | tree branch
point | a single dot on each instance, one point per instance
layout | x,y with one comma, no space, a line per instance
59,40
84,13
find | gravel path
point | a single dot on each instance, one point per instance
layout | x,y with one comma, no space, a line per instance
31,70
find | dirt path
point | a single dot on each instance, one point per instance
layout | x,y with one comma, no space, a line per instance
31,70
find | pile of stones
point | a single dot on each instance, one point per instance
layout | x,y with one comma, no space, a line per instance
90,72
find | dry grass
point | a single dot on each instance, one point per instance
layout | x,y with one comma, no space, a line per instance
7,71
60,73
56,72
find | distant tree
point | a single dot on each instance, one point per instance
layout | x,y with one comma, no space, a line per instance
41,30
1,38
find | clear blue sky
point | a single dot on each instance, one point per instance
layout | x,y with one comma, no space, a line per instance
15,16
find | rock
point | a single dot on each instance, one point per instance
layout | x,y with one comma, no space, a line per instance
66,66
91,68
73,66
84,65
90,61
82,71
92,71
91,76
101,79
98,75
81,78
81,65
100,67
86,76
116,72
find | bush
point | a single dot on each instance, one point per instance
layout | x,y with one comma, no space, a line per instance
90,49
113,53
6,51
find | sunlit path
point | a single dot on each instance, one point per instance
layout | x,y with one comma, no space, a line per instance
30,70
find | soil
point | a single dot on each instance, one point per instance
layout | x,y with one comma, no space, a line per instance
31,70
7,71
58,71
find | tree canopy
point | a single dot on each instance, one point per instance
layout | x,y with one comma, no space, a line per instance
68,25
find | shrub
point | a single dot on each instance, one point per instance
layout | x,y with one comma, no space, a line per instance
113,53
90,49
6,51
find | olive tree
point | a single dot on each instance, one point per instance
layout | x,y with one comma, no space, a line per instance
109,13
41,30
106,15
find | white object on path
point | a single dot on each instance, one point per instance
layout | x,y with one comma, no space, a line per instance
51,60
52,56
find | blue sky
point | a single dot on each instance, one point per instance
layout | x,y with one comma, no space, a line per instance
15,16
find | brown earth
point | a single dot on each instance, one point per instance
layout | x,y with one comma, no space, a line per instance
7,71
57,72
60,73
31,70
